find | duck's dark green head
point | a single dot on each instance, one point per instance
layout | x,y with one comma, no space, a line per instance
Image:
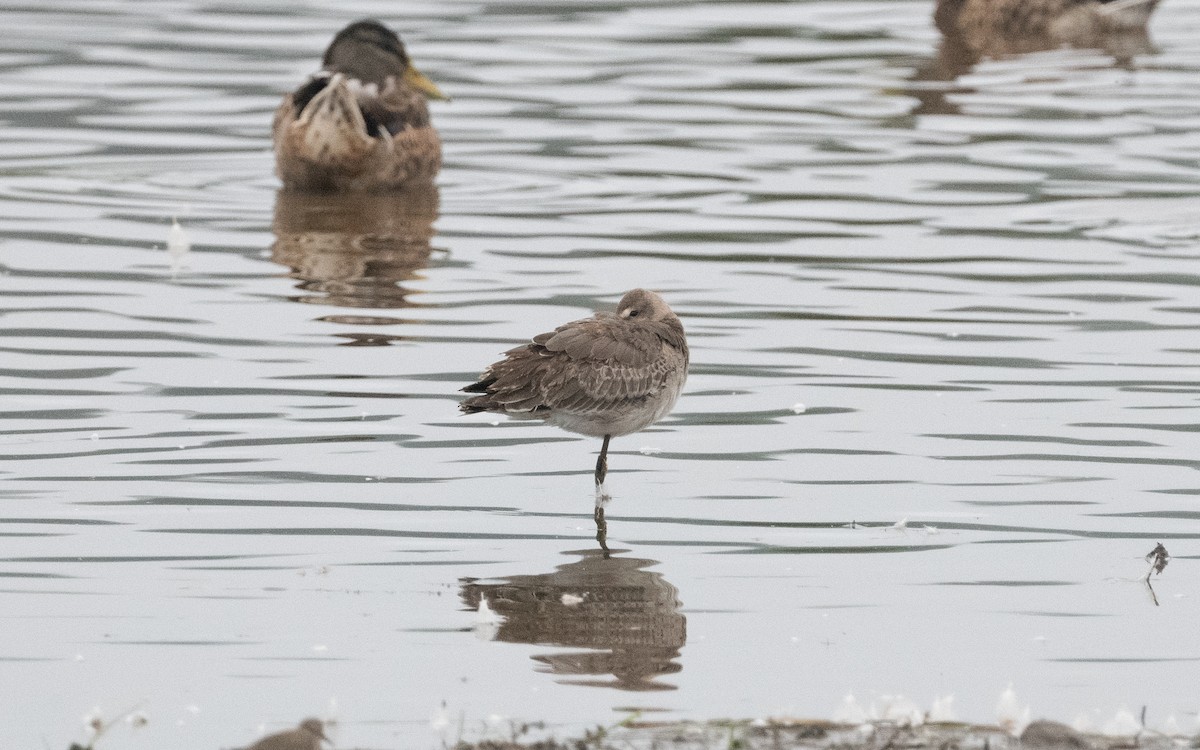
366,50
371,52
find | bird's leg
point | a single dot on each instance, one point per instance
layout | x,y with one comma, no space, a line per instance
602,462
601,529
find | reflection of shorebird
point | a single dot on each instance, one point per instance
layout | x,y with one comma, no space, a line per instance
609,375
999,27
628,615
307,736
355,250
361,123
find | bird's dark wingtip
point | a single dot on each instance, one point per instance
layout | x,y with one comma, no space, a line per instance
479,387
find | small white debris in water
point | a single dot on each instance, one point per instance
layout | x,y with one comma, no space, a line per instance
953,334
901,710
799,408
331,710
850,712
900,525
1009,714
1039,639
440,721
931,530
178,246
368,479
571,600
95,436
496,723
320,648
487,622
1171,727
177,240
495,423
78,657
1122,724
362,415
647,450
943,709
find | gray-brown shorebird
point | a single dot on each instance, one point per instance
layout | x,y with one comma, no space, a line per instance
307,736
605,376
361,123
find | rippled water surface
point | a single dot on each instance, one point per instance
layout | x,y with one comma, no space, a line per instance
944,395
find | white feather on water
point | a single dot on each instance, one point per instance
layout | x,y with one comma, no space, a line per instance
178,247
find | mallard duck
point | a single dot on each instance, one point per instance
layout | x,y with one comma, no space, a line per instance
361,123
991,27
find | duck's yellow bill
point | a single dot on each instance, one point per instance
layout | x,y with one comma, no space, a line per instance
418,81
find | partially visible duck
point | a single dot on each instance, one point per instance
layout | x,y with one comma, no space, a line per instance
996,27
361,123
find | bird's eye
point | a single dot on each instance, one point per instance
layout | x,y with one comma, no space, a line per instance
633,313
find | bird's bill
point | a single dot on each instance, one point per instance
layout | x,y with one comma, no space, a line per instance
417,80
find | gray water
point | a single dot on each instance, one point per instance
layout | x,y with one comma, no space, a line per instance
943,399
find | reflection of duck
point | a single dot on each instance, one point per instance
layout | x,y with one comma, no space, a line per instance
999,27
629,616
361,123
352,250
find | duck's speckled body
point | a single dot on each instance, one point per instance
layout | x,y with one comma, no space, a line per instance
996,27
361,123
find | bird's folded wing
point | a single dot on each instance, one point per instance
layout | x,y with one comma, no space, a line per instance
595,362
603,340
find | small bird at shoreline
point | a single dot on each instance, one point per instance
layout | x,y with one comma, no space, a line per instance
361,123
606,376
307,736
